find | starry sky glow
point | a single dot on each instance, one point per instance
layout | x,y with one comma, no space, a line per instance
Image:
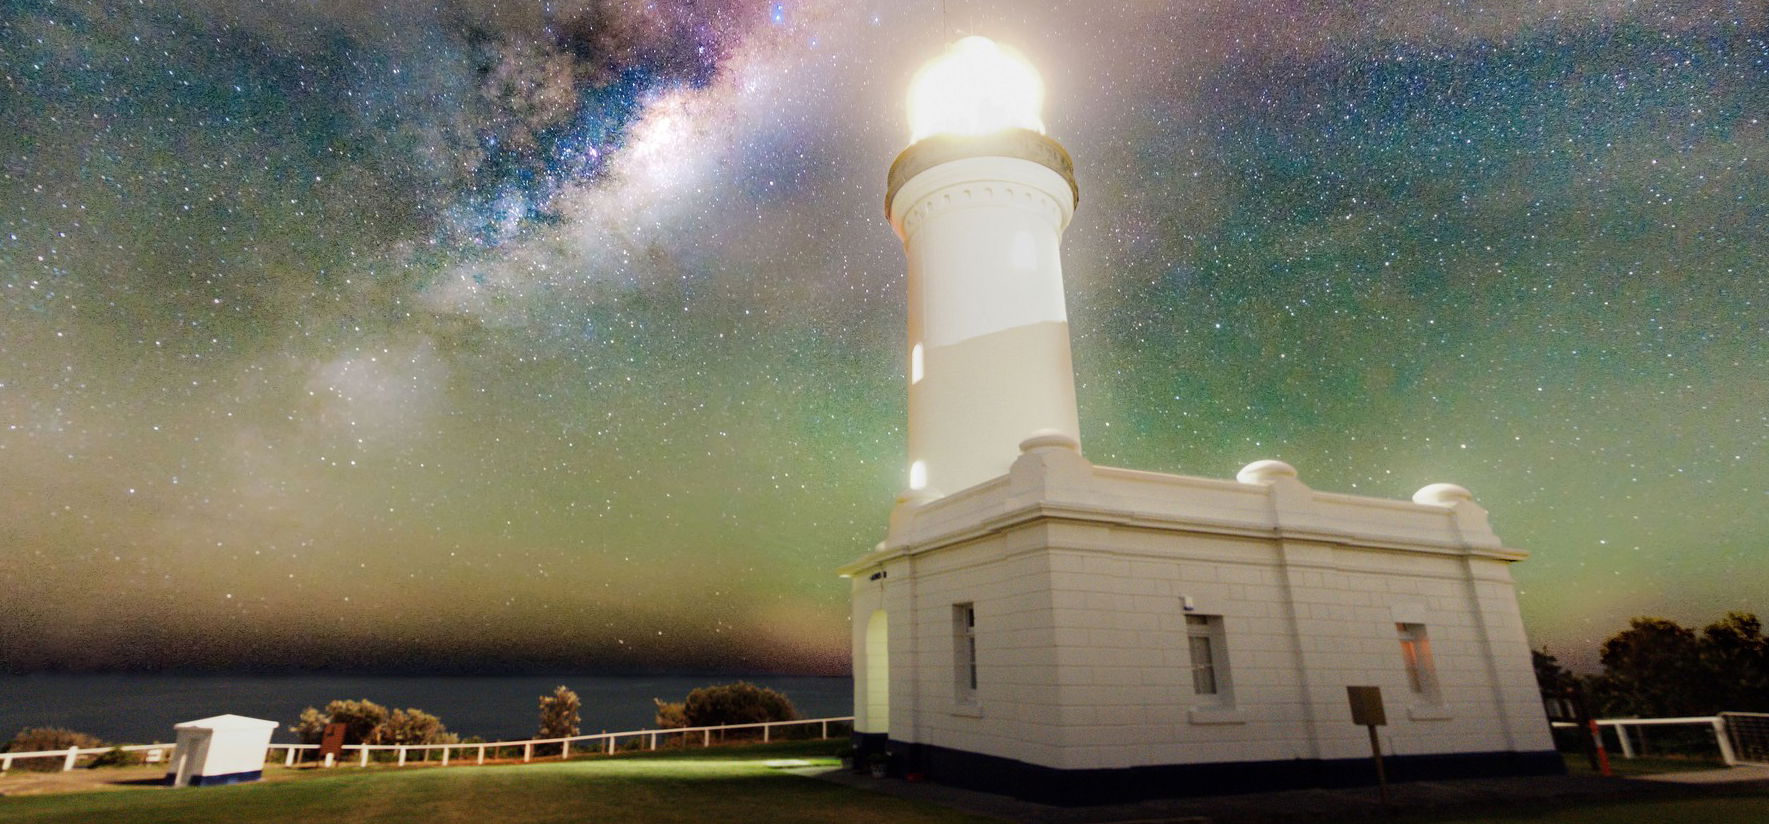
483,335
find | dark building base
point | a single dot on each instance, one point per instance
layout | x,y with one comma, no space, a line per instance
217,780
1048,785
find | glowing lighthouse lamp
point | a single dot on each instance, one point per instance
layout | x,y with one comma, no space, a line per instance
980,200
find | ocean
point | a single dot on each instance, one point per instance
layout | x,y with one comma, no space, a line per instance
141,709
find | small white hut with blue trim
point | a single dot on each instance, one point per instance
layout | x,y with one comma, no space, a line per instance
225,749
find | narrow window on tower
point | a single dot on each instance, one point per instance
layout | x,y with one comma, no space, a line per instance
1415,652
915,363
964,654
1201,635
918,475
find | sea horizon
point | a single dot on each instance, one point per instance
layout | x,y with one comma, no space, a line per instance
141,708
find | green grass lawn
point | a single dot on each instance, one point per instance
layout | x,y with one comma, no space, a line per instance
1625,767
716,784
691,786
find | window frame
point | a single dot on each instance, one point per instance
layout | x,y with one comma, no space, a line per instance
966,680
1417,662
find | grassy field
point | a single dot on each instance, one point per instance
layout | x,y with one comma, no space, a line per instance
692,786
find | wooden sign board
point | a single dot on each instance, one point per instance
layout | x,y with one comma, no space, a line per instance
332,743
1366,706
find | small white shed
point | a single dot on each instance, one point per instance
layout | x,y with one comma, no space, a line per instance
225,749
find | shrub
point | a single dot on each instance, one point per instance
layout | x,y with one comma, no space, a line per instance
115,757
34,739
361,720
739,703
367,722
413,726
670,715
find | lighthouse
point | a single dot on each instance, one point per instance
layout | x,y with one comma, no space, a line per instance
980,200
1037,625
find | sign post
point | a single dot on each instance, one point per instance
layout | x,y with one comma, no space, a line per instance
331,743
1367,711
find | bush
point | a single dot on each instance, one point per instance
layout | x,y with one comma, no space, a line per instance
361,720
367,722
739,703
115,757
413,726
34,739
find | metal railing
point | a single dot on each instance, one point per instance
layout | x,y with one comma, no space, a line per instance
1715,722
603,742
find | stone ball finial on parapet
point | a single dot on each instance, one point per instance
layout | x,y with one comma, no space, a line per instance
1470,517
1265,472
1050,465
1442,495
1045,439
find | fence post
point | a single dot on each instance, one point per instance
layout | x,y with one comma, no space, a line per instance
610,740
289,760
706,738
1621,732
482,753
527,751
402,756
365,755
766,729
444,756
1726,753
565,750
328,760
6,762
825,729
73,755
654,741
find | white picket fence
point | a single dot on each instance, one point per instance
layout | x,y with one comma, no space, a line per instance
603,742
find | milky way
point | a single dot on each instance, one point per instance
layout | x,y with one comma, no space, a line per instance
494,336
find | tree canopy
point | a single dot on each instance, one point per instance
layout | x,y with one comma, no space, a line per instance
738,703
1659,668
559,714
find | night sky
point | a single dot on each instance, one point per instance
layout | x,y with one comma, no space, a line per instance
465,335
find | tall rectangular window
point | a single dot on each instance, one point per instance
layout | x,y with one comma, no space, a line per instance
1201,636
964,646
1415,652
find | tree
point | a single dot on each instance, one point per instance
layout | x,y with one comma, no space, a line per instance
739,703
1736,657
1551,677
1652,668
559,714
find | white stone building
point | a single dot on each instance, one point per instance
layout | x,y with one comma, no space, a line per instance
1039,625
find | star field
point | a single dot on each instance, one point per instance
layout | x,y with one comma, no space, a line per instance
485,336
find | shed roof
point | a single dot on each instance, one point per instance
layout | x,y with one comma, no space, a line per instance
226,722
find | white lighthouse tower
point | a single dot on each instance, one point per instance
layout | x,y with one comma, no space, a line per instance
980,200
1037,625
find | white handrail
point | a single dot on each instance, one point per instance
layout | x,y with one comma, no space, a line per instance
72,754
1717,722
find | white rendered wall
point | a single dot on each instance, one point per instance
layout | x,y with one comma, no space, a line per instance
1079,576
982,236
